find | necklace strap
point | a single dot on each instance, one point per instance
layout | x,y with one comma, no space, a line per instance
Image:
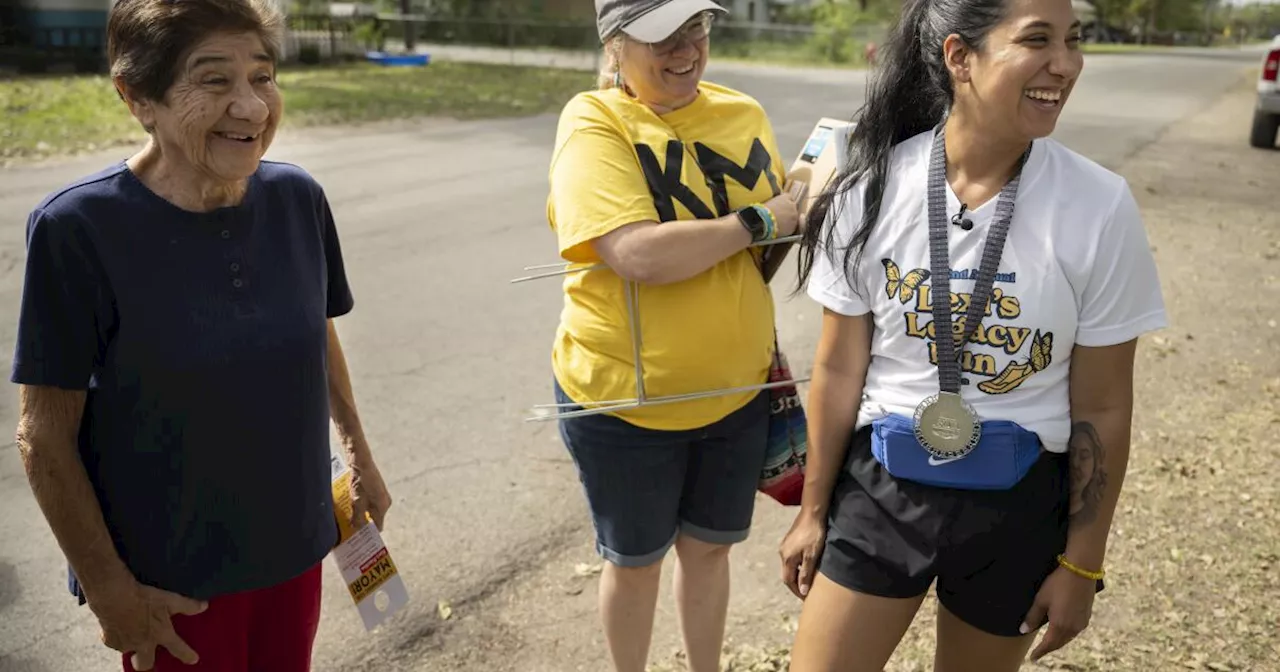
951,345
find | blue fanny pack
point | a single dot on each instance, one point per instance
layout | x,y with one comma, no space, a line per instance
1004,454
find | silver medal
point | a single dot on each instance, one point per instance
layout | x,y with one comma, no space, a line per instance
947,426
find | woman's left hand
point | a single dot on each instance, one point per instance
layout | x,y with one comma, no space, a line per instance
368,493
1066,599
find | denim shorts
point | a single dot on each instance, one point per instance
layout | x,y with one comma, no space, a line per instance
645,487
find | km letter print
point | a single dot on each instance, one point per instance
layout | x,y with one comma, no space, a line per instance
667,187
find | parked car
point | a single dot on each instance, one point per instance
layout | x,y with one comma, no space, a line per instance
1266,114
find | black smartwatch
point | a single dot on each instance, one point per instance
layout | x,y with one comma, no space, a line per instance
753,222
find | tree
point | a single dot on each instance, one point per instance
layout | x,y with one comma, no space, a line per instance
840,26
1107,13
1148,17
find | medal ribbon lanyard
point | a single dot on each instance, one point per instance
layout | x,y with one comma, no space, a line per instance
951,345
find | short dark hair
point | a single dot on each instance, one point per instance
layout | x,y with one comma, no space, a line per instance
148,39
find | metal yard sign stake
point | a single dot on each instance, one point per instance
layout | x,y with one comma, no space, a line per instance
549,412
824,152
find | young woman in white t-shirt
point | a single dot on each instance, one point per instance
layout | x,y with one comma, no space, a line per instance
1005,493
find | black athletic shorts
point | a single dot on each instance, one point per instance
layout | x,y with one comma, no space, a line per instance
989,550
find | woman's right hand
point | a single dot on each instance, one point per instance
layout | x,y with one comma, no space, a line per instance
785,208
800,551
137,620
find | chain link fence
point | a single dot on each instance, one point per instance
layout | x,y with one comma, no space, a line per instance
315,38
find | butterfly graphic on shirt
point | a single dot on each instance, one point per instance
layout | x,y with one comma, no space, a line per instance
904,286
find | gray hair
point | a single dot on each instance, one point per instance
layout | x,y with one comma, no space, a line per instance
612,62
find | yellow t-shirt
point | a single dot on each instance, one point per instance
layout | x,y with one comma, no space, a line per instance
617,162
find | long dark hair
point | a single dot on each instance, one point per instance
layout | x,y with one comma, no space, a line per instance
909,93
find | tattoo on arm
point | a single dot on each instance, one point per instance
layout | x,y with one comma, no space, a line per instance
1088,477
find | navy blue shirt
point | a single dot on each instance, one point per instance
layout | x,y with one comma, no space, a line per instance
201,341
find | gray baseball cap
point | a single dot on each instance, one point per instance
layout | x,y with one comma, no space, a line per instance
648,20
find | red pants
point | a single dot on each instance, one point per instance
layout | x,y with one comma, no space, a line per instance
267,629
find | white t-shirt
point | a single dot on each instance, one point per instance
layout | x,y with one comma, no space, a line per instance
1076,269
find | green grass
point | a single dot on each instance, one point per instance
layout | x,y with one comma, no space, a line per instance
801,55
47,115
814,52
364,92
50,115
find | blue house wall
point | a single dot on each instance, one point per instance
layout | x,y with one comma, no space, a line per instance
66,23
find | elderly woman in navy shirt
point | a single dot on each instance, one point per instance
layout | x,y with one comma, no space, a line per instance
178,362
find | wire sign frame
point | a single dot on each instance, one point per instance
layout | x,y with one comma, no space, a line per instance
552,412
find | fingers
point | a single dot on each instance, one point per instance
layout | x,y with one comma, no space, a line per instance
789,574
178,604
807,567
1035,616
1054,638
178,648
1064,626
798,570
359,512
799,190
379,514
160,631
143,659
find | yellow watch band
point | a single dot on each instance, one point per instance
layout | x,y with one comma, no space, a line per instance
1079,571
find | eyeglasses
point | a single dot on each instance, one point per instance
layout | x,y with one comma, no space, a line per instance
695,31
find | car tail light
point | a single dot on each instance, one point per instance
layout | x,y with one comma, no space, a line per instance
1272,66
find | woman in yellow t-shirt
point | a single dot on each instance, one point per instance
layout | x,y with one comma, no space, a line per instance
667,181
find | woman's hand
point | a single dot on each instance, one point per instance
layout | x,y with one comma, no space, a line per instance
800,552
1066,598
137,619
368,492
785,208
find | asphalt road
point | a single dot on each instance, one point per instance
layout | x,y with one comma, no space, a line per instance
447,357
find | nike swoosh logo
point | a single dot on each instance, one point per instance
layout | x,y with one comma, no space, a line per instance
935,462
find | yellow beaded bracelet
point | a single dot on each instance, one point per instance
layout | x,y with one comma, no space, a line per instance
1080,571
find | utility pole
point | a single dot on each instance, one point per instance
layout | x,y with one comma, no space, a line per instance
407,25
1151,21
1209,6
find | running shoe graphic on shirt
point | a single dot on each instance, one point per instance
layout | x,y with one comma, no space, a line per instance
1016,372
